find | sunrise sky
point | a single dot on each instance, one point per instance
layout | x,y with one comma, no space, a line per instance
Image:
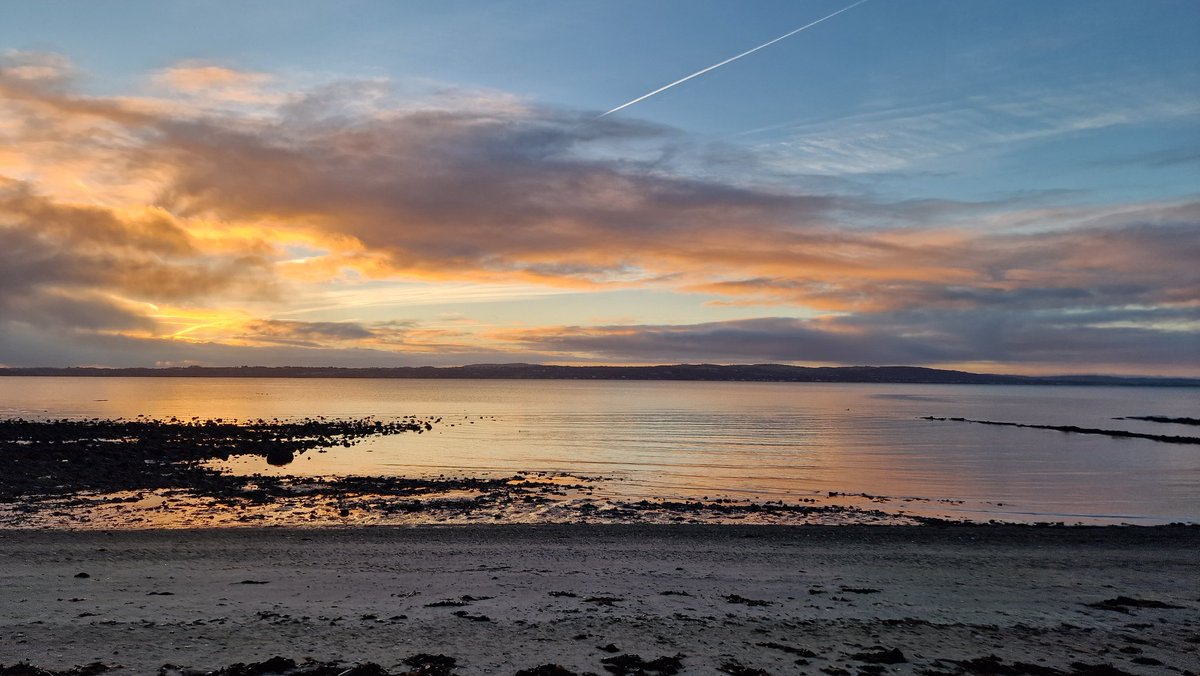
996,185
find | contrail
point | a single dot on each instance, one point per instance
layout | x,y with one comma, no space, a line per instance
729,60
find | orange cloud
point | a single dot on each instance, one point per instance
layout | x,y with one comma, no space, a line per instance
219,83
201,77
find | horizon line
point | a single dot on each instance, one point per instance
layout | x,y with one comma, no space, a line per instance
18,371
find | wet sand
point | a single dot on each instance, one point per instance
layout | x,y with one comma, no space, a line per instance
498,599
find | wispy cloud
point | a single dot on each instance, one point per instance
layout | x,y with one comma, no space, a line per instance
219,84
894,138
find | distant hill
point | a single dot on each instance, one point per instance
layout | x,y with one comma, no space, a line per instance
776,373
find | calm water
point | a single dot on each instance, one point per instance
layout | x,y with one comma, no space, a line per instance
765,441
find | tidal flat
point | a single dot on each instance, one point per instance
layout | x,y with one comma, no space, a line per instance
867,445
127,546
146,473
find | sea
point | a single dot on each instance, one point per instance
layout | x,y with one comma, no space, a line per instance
737,441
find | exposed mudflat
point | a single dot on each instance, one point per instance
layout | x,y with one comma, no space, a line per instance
47,458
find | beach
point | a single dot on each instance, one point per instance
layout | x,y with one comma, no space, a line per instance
167,547
591,338
498,599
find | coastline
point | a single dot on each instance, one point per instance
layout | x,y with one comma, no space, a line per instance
499,598
97,474
771,373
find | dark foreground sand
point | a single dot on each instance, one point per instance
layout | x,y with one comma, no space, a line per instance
524,596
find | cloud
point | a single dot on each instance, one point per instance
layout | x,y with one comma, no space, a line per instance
89,270
43,68
894,138
22,345
520,196
775,339
199,77
1186,155
1050,342
219,83
408,336
308,333
115,206
469,195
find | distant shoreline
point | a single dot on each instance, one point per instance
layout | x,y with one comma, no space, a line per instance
777,373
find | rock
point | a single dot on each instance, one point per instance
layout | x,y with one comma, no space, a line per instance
26,669
634,665
881,655
425,664
279,457
370,669
734,598
802,652
546,670
1122,604
734,668
275,665
992,664
1085,669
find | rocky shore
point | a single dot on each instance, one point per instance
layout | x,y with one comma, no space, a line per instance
160,473
117,578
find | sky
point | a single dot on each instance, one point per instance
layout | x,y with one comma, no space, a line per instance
1008,186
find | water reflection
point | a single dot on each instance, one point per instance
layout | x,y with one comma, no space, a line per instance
762,440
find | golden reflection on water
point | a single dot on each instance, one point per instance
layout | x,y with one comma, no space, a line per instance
690,440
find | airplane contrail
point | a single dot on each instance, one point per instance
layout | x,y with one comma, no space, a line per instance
729,60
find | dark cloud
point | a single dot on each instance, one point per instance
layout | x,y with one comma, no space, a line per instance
67,265
25,345
513,191
333,334
928,338
283,330
776,339
1163,338
83,312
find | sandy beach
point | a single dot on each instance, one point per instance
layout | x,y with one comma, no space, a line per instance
599,338
499,599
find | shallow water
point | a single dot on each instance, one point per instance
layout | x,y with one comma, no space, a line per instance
761,441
